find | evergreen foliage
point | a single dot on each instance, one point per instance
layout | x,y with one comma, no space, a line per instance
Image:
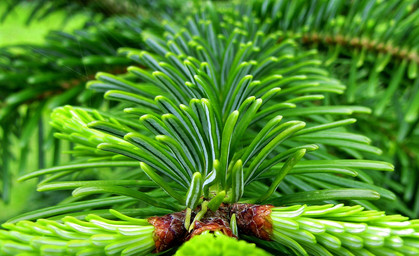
208,244
71,236
372,46
222,110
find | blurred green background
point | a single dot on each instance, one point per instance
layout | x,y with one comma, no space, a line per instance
14,30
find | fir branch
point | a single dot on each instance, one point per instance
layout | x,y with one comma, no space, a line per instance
96,235
228,116
342,230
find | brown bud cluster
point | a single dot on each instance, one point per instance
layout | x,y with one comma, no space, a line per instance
169,230
253,220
